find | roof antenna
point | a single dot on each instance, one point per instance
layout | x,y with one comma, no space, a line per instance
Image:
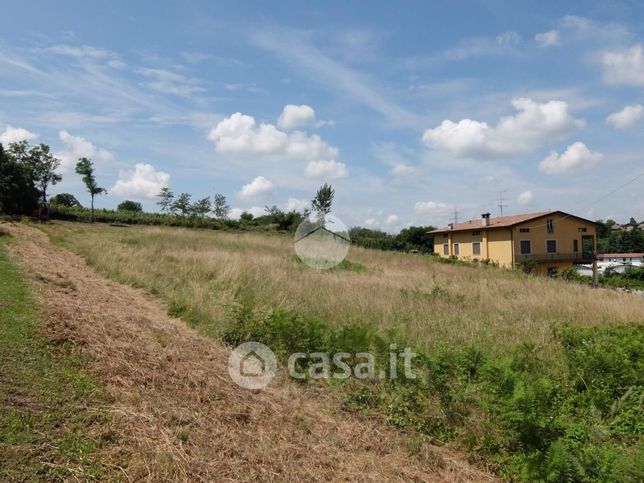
501,200
455,217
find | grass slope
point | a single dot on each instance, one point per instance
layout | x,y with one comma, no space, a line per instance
47,430
538,379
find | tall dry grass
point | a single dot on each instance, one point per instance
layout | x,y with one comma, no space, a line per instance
201,274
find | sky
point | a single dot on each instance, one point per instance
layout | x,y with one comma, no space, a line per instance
414,111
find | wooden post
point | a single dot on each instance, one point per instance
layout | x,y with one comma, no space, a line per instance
595,269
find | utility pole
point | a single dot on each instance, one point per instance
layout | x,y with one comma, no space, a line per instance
501,200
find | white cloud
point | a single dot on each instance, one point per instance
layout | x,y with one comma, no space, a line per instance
576,156
627,117
508,38
534,125
257,189
294,204
87,52
403,169
145,182
15,134
168,82
624,66
431,208
240,134
78,147
392,220
372,222
525,197
547,39
296,116
326,170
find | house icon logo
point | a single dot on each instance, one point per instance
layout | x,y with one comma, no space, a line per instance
322,243
252,365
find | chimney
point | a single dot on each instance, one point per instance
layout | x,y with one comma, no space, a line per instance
486,219
451,226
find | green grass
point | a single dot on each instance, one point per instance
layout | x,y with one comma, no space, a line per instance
49,426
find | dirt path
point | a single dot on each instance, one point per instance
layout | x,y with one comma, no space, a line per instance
178,416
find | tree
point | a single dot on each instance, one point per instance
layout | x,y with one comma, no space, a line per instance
181,205
40,163
322,202
18,195
65,199
127,205
246,217
167,197
85,168
220,207
201,207
43,166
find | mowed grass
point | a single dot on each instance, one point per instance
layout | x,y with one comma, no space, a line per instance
47,432
203,274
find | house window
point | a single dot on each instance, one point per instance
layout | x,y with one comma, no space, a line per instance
524,230
476,232
476,248
525,247
582,229
445,235
550,224
575,246
457,249
551,246
445,249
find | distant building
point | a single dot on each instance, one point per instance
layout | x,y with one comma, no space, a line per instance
636,259
554,240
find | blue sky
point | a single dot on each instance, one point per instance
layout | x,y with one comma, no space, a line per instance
409,109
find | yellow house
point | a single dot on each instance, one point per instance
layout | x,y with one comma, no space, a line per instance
552,240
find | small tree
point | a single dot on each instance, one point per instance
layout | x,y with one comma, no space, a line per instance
166,200
67,200
181,205
127,205
220,207
322,202
201,207
85,168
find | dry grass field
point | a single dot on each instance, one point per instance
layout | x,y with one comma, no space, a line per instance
201,274
527,378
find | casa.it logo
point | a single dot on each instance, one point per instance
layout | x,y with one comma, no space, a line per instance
252,365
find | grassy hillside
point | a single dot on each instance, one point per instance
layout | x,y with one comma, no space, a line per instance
203,274
535,378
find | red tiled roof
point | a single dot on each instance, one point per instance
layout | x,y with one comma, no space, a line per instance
498,222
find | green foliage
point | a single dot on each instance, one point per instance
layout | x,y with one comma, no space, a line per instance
579,421
220,207
412,238
65,199
166,197
85,168
323,200
181,205
127,205
18,193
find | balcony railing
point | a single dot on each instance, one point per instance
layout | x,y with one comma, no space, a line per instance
579,257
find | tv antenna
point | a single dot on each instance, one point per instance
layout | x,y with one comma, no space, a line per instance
501,200
455,217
